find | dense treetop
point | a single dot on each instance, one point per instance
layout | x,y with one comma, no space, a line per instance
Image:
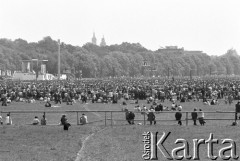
126,59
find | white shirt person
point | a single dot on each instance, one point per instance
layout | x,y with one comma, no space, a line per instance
8,120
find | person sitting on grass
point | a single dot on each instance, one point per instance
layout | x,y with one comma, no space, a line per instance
159,107
136,102
144,110
48,104
124,103
136,108
174,106
179,107
36,121
214,102
151,108
43,120
83,119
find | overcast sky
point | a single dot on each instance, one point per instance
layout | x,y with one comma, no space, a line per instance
212,26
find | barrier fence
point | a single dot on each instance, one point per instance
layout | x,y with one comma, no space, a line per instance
116,117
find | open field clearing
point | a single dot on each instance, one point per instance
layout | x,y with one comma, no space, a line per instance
120,142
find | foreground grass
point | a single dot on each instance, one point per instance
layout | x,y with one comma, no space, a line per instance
122,142
42,143
125,143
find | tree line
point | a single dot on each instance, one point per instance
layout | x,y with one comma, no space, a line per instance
126,59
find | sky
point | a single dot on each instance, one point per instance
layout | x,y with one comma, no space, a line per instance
212,26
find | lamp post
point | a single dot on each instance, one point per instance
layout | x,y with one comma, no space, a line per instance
59,59
37,60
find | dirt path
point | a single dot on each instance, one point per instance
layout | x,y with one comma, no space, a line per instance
80,154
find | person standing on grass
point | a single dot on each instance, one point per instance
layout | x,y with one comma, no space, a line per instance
178,116
64,122
237,110
4,100
151,117
1,120
43,120
8,120
194,116
130,117
201,117
57,97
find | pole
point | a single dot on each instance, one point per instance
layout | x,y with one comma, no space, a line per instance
105,118
168,72
111,118
144,118
186,118
235,118
59,59
37,71
77,119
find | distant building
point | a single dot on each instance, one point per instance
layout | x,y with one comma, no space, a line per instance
103,43
94,39
171,50
176,50
193,52
5,72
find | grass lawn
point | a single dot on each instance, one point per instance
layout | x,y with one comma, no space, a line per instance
121,142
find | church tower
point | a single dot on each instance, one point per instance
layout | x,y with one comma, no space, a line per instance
103,43
94,40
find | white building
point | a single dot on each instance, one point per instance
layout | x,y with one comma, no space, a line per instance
18,75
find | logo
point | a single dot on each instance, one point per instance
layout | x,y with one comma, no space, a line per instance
153,144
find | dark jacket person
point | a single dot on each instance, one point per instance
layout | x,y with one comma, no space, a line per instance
237,109
194,116
151,117
178,116
130,117
64,122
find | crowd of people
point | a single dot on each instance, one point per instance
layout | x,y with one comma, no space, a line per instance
100,90
209,90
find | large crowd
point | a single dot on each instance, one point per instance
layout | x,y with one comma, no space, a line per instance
209,90
129,88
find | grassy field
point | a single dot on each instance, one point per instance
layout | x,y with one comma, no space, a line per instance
120,142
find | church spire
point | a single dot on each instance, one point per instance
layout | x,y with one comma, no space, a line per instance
94,39
103,43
